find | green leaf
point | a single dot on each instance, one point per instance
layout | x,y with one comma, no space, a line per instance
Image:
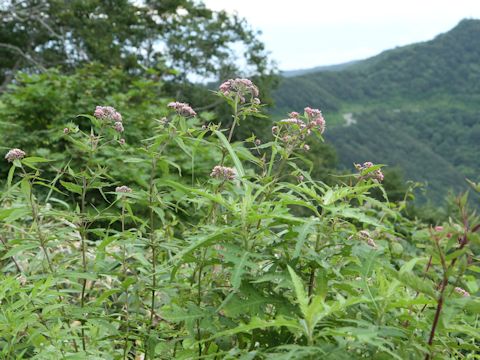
34,159
178,140
303,232
236,160
354,213
409,265
300,293
239,270
421,285
10,215
10,175
19,249
26,188
77,189
257,323
178,314
198,243
188,190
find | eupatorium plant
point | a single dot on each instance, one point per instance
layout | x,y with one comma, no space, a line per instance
213,249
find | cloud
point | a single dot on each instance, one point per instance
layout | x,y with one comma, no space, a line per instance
307,33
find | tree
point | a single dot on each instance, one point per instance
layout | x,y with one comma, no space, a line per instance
179,35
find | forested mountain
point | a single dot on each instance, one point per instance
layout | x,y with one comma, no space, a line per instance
335,67
417,107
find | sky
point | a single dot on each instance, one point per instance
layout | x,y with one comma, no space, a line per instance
307,33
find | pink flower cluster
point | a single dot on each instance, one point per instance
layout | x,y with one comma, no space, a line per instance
315,119
123,189
15,154
118,126
182,108
462,292
294,121
375,174
296,128
240,88
365,235
107,113
223,173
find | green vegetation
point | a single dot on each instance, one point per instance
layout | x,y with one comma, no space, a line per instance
258,260
133,226
415,107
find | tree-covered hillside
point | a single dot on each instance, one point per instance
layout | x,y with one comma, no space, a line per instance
416,106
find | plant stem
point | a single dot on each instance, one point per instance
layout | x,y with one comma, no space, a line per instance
230,134
19,269
84,256
235,118
199,300
437,314
440,297
124,266
311,282
152,240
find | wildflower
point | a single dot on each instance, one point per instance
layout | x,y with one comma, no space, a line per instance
286,138
123,189
182,108
293,121
376,174
438,228
319,124
365,235
300,178
258,142
223,172
118,126
122,141
240,88
371,243
22,279
312,114
462,292
15,154
299,127
66,131
107,113
315,119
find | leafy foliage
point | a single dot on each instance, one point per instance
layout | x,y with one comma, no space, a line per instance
270,263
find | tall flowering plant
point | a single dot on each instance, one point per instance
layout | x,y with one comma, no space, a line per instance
246,257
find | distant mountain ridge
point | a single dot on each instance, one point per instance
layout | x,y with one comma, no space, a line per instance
426,94
334,67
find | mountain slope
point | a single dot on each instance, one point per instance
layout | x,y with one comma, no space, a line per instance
336,67
417,107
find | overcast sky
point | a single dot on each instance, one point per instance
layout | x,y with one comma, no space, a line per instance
307,33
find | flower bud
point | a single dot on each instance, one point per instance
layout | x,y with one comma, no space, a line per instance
15,154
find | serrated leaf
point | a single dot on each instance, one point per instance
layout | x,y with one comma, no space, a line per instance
303,232
77,189
239,270
300,293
